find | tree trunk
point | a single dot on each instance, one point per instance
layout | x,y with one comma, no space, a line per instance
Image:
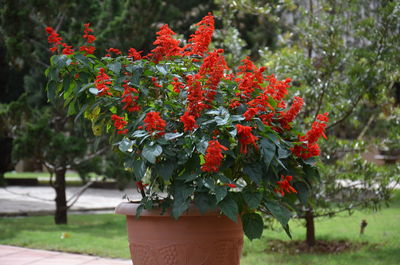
60,216
310,237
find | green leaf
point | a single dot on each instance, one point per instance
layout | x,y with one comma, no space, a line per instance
205,202
254,171
139,168
115,67
125,145
150,153
253,225
302,192
172,136
162,69
220,192
267,149
94,90
229,208
166,169
283,152
181,202
252,199
281,213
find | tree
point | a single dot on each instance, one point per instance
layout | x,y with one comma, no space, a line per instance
343,56
344,69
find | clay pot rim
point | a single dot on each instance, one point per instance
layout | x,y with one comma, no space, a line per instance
129,208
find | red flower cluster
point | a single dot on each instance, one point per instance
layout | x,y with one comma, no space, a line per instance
201,39
101,83
177,85
112,50
153,122
129,97
55,39
119,124
88,49
188,121
213,157
166,45
246,138
289,116
212,69
195,96
284,186
311,148
132,53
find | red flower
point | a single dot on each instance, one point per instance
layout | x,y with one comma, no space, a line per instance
246,137
188,121
119,124
153,122
129,97
201,39
195,96
311,148
289,116
284,186
177,85
166,45
55,39
132,53
155,83
89,38
230,185
112,50
250,113
88,49
212,69
101,83
213,157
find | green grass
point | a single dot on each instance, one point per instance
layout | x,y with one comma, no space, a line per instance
16,175
105,235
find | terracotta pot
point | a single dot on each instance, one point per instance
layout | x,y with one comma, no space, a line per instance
193,239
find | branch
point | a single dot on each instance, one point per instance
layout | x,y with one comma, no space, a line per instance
78,194
364,130
91,156
347,114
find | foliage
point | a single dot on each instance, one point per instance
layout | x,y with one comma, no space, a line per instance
201,132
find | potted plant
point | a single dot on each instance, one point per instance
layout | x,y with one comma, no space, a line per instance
210,146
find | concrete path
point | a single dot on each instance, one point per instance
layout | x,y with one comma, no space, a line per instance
24,256
21,200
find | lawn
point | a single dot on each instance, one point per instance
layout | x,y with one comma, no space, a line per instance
104,235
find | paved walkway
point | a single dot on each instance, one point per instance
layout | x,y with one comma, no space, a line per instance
21,200
24,256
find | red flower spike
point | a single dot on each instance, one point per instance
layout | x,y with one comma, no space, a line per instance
166,45
311,148
201,39
246,138
153,123
119,124
132,53
284,186
213,157
287,117
112,50
101,83
189,122
177,85
55,39
129,97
